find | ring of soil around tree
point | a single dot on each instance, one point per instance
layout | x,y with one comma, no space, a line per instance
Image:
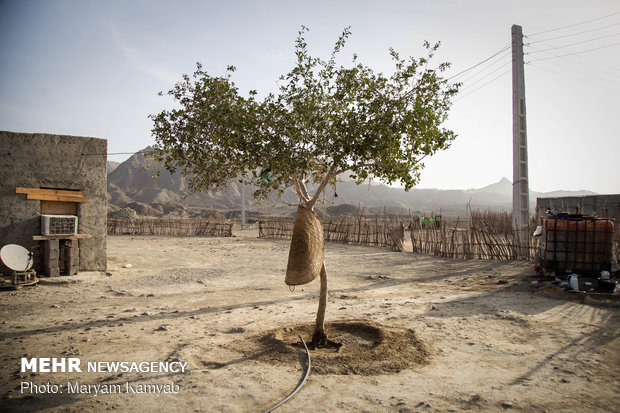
365,348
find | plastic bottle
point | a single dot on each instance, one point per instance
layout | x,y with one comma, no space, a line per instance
574,282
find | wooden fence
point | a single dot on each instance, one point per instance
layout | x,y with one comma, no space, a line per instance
473,243
349,230
178,227
482,235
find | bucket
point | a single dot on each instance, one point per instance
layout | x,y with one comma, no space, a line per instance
608,286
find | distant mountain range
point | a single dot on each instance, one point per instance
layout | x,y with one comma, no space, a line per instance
132,184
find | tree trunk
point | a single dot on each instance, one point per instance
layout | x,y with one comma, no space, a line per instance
319,338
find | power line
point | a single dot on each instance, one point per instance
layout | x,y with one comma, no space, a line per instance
584,61
116,153
506,53
576,24
576,53
486,84
580,42
572,34
481,62
589,75
573,77
468,85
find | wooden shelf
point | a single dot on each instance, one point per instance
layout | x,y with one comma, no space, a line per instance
58,195
60,236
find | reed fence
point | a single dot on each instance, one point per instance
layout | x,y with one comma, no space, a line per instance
484,235
348,230
169,227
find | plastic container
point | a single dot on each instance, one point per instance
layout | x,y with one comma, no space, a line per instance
608,286
582,244
573,281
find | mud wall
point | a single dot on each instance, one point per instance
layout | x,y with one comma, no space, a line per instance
37,160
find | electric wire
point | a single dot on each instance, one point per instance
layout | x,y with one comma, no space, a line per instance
582,61
484,85
116,153
469,85
577,53
576,43
574,77
503,49
575,24
612,82
499,59
614,76
572,34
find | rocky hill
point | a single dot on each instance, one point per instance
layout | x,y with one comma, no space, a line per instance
132,184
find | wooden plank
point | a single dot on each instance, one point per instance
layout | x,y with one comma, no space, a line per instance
60,236
61,198
42,191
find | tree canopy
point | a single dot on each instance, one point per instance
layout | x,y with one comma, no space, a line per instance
326,119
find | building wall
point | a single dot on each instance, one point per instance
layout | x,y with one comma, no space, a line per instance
36,160
604,206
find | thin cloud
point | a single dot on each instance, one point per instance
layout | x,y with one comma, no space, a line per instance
136,58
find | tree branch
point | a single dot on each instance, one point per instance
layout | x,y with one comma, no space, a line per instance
328,176
301,190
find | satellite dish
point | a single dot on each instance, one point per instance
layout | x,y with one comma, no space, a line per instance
16,257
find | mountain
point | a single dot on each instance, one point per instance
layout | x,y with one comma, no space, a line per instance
112,165
131,184
134,181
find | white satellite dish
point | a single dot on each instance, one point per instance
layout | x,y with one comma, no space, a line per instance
16,257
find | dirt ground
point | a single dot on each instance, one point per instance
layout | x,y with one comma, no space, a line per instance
419,333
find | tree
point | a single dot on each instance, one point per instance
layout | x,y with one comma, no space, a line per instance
326,120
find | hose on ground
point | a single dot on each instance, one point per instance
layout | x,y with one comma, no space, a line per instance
301,382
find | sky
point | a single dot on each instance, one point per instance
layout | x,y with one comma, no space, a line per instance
94,68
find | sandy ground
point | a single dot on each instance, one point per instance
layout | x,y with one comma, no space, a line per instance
457,335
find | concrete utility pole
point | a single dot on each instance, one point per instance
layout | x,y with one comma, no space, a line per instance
241,188
520,186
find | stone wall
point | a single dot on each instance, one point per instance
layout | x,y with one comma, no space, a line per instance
36,160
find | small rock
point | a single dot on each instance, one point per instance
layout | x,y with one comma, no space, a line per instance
507,405
236,330
150,295
162,328
55,306
127,266
109,274
502,282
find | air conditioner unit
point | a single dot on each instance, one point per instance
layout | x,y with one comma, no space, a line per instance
59,224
